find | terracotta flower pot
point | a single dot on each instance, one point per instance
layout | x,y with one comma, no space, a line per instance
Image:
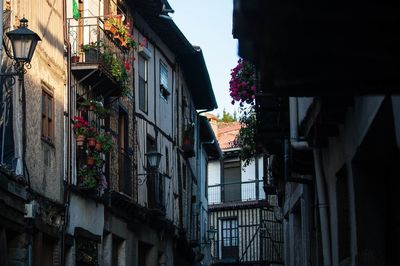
90,161
108,27
98,146
92,107
91,142
75,59
80,139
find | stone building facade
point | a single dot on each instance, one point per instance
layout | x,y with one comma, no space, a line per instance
136,90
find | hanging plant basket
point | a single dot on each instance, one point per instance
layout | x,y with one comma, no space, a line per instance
80,139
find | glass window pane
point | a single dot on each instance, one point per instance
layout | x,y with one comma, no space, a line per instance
50,107
142,67
163,74
43,103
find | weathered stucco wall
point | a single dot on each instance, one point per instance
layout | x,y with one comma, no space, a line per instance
44,161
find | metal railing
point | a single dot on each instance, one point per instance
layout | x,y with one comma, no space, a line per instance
91,43
236,191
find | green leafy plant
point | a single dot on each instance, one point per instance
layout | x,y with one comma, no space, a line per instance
116,21
246,137
107,57
98,161
100,111
91,132
118,70
88,177
93,45
106,140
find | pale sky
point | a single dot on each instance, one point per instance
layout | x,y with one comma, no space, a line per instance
208,24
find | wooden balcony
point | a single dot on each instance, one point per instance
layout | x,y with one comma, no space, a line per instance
97,60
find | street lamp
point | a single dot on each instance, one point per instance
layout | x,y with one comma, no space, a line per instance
153,159
23,42
153,162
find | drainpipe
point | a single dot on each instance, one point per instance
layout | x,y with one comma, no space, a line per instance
322,206
295,142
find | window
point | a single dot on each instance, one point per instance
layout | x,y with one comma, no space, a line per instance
143,75
47,116
232,179
164,81
230,238
230,233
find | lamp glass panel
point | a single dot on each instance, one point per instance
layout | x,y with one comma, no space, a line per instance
22,47
153,158
32,50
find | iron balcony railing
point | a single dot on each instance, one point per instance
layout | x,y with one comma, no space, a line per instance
90,41
92,45
236,191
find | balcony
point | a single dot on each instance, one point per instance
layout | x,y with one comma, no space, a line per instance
97,59
236,192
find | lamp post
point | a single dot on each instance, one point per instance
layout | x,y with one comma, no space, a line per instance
23,43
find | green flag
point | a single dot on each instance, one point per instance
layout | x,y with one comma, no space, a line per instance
75,10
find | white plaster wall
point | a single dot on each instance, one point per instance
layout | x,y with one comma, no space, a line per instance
86,214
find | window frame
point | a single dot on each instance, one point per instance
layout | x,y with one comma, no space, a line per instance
164,92
146,86
47,122
232,183
233,239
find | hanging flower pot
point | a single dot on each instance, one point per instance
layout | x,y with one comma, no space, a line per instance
92,106
91,142
186,141
90,161
80,139
98,146
75,59
109,28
